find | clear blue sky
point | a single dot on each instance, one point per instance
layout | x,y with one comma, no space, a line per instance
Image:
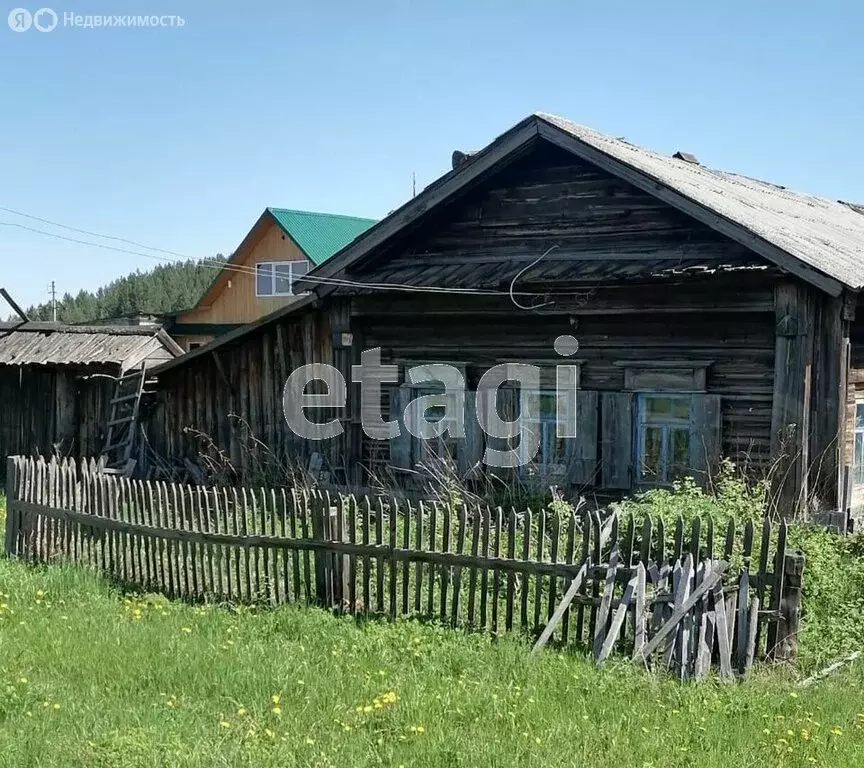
179,138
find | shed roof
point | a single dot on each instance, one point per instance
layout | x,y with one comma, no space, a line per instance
814,238
35,343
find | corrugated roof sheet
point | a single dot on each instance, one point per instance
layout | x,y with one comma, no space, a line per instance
320,235
48,344
827,235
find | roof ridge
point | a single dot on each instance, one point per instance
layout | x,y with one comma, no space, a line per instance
780,187
272,208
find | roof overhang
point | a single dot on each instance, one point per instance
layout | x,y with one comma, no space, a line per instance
513,144
298,307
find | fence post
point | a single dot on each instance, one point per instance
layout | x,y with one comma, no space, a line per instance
13,516
790,608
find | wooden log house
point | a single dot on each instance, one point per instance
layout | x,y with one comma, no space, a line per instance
716,316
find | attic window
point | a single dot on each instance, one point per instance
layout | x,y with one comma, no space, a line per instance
277,278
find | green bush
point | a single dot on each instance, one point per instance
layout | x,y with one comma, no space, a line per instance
833,594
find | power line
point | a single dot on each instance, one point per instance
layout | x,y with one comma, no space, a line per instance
220,266
91,234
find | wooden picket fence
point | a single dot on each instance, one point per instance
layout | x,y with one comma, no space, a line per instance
683,599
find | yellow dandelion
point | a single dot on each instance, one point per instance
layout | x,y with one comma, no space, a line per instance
224,723
276,711
837,731
310,741
23,681
275,698
241,711
55,707
367,708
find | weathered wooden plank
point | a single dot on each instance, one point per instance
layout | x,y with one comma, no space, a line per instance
600,626
640,607
561,610
723,648
681,610
617,621
457,570
472,577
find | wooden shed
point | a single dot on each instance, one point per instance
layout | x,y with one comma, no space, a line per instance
715,315
57,382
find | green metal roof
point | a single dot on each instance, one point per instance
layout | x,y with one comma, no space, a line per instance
320,235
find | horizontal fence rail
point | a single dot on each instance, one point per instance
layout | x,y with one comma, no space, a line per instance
684,598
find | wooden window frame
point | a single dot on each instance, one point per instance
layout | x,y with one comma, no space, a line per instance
539,461
668,425
856,480
423,388
291,278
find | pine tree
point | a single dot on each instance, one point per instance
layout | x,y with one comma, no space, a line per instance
166,288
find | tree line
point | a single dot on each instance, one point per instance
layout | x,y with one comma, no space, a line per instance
164,289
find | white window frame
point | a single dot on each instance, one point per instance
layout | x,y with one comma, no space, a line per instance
291,278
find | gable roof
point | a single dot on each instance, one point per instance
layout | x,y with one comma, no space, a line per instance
318,235
819,240
37,343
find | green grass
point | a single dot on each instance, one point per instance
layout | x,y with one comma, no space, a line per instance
90,677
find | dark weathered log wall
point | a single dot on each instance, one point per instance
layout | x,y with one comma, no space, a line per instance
601,228
231,398
736,335
53,410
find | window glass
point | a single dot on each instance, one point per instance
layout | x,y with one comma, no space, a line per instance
679,458
652,453
858,466
664,437
858,446
282,282
674,407
264,279
550,460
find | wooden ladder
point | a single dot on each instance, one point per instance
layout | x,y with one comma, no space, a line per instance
123,421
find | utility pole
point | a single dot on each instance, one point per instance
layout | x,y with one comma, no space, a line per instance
53,302
413,184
